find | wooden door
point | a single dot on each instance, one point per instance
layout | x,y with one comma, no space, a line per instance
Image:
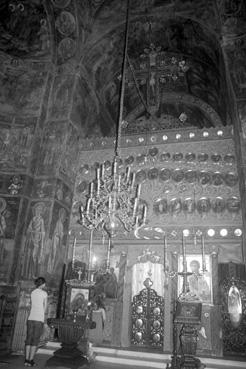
147,319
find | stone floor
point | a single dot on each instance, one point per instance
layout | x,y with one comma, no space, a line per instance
17,362
105,359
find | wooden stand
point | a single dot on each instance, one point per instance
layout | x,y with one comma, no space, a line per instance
70,332
186,318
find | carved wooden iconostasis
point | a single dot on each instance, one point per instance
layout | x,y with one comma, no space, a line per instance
187,183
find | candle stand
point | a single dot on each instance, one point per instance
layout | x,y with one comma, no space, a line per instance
70,330
186,319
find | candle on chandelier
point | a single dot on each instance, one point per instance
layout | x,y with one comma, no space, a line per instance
109,203
184,254
73,256
98,186
138,190
119,183
81,213
115,167
98,174
165,254
144,213
135,207
133,180
128,171
88,205
91,188
102,171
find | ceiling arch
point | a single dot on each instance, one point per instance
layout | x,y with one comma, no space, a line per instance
176,36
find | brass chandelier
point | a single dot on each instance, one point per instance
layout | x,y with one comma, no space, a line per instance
113,200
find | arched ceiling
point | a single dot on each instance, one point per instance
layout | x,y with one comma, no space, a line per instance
90,34
201,93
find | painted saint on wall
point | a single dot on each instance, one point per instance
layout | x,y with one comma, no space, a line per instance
34,245
57,241
2,227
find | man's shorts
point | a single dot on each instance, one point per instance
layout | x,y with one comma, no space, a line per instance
34,332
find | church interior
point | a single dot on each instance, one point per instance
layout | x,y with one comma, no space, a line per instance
123,171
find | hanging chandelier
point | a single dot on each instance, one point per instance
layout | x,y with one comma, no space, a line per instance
113,200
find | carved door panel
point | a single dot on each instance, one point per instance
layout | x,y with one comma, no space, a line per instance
147,319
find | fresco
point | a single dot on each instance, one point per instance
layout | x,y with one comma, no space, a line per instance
23,27
21,89
148,64
86,108
9,208
56,250
61,95
63,193
43,188
35,240
51,148
45,243
70,154
15,146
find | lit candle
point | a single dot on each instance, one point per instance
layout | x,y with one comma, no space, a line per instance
203,255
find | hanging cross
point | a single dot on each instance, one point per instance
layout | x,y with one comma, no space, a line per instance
158,68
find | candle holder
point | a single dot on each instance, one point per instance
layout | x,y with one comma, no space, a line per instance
113,202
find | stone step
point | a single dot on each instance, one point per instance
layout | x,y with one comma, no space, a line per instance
110,357
155,360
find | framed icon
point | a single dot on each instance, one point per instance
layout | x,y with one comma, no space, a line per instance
200,283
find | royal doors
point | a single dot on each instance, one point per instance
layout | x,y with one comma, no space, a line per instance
147,319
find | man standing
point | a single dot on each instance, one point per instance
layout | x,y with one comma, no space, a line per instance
35,322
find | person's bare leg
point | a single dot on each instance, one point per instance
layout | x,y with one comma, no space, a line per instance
32,352
28,350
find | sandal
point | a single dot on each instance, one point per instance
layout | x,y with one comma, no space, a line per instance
27,362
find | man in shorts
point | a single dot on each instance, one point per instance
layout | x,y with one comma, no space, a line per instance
35,321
